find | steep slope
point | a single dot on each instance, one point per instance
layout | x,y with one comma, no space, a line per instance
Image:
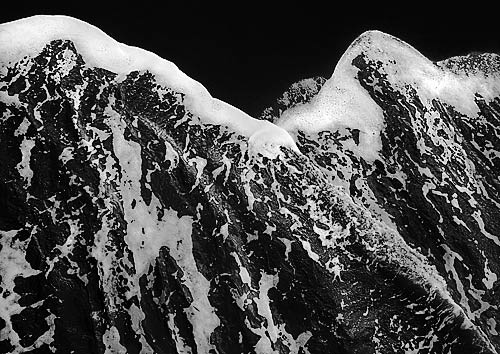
431,171
140,215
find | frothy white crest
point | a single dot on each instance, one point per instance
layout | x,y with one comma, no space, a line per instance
343,103
28,36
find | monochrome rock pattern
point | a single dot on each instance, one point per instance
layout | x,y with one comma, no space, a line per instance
128,224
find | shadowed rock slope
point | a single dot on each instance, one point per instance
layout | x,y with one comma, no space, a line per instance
128,224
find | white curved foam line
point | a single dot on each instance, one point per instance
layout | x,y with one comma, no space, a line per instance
343,103
28,36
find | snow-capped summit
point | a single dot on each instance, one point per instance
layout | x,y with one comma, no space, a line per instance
344,103
28,36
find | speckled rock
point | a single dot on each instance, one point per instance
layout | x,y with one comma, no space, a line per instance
129,225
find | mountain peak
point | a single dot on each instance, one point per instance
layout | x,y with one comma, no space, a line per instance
343,102
377,44
28,36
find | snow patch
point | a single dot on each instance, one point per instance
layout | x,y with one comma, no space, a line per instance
23,167
244,275
489,277
137,316
12,264
111,341
180,345
269,334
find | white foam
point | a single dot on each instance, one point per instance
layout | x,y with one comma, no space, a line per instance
268,333
23,167
28,36
12,264
111,340
343,103
404,65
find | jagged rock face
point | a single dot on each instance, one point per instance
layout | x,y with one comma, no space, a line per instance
129,225
436,181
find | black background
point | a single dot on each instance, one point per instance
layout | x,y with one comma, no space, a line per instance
247,53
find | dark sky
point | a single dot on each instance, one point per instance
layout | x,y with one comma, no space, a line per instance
248,55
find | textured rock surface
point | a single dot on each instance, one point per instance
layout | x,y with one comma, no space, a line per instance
129,225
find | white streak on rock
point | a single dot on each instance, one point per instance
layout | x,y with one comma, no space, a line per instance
23,167
12,264
111,340
147,233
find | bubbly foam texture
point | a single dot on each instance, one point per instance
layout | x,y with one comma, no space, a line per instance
28,36
343,103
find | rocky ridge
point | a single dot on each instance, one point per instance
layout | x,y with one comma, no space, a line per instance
131,224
